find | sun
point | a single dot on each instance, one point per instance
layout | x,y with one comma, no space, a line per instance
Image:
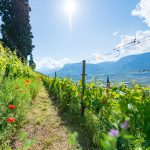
70,9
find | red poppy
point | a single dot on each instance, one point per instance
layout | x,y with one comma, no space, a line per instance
23,91
11,120
27,82
16,87
11,107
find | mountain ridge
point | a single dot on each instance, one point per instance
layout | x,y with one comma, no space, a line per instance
123,65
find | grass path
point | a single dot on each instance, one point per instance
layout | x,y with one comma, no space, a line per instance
44,128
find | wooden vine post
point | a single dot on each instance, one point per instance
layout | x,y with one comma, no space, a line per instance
83,87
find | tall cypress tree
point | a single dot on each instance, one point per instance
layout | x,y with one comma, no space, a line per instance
31,62
16,28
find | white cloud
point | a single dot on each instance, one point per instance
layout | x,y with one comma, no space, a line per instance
140,43
143,11
115,33
48,64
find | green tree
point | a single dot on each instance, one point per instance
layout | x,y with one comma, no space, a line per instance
16,28
31,62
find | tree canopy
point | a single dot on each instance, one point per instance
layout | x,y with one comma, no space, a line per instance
15,27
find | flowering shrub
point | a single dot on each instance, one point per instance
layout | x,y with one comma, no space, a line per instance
15,105
18,86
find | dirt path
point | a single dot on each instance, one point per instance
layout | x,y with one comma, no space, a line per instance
44,129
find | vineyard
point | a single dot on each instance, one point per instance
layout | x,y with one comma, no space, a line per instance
116,117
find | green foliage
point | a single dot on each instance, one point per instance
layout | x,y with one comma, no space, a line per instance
18,93
11,66
29,144
73,139
117,118
16,29
18,87
23,136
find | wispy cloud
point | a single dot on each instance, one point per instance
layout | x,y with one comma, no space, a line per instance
143,11
115,33
137,47
48,64
129,45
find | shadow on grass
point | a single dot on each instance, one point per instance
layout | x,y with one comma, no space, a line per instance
76,124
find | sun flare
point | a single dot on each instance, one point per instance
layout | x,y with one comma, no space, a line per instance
70,7
70,10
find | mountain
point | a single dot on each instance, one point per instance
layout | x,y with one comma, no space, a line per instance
128,64
47,71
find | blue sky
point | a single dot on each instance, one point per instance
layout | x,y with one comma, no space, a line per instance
98,26
94,23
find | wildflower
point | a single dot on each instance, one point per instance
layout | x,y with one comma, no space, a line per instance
16,88
125,125
11,107
27,82
23,91
11,120
113,132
